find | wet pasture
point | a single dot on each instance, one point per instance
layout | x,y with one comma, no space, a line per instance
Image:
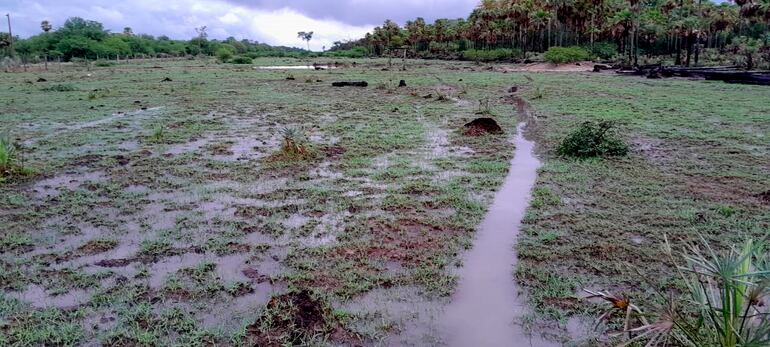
163,210
166,199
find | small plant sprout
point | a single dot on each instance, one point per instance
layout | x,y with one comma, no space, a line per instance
11,159
295,144
158,134
484,106
8,154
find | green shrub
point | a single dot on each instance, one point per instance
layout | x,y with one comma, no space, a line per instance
104,63
491,54
224,55
561,55
604,50
241,60
593,139
358,52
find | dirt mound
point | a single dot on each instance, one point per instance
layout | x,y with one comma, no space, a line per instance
481,126
291,318
335,152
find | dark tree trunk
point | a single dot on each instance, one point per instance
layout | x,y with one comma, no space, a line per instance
678,52
688,49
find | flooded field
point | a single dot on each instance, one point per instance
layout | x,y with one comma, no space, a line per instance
196,203
488,307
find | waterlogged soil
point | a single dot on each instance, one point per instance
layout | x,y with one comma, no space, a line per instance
187,214
169,213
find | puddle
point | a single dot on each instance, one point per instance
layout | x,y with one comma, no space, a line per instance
229,268
38,297
439,142
231,316
486,308
52,186
323,171
296,221
412,316
91,124
109,119
183,148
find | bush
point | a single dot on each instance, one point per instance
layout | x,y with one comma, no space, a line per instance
357,52
224,54
241,60
561,55
604,50
593,139
491,54
104,63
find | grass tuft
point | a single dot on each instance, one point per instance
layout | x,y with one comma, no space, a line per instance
296,146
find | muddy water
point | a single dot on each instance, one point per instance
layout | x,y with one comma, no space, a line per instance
486,309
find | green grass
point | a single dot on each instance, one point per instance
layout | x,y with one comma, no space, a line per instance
696,165
386,204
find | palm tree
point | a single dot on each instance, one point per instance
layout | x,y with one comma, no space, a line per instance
540,19
763,10
306,36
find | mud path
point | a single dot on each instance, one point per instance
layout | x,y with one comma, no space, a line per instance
486,309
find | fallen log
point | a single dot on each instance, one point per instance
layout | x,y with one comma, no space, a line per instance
682,71
350,84
742,77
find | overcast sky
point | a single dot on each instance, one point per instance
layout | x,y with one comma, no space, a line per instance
271,21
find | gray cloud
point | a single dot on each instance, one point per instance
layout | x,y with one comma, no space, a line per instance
368,12
272,21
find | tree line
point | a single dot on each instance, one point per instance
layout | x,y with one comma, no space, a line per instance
79,38
620,29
